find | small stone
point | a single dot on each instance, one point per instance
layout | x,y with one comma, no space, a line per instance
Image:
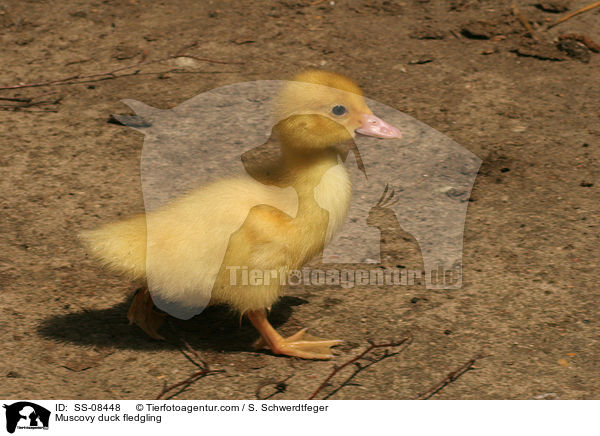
490,51
554,6
424,59
24,40
427,33
122,52
455,193
479,30
574,49
78,14
541,50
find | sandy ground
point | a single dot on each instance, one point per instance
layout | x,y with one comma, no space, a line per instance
465,67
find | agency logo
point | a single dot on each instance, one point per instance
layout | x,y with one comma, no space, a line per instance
26,415
217,164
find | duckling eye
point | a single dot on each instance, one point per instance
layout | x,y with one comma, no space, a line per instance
339,110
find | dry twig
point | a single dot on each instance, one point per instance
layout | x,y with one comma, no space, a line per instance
199,362
28,102
279,385
577,12
355,360
524,20
20,100
112,74
185,383
451,377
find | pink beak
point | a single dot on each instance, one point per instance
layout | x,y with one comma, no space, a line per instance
374,126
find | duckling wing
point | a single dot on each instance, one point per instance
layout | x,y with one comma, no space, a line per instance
179,249
189,239
256,261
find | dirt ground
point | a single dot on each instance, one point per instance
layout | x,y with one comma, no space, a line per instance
467,68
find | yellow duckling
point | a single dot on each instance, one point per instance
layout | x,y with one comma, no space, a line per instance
195,250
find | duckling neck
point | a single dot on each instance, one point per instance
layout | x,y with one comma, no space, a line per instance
304,170
324,189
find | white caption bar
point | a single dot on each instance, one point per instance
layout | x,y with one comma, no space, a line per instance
148,417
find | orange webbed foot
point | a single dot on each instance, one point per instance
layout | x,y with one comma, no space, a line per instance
300,345
305,346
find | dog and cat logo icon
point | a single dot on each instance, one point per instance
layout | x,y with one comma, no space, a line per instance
26,415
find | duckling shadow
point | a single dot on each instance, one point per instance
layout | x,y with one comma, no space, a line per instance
216,328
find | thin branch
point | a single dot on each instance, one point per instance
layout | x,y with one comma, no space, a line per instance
280,387
577,12
450,378
359,368
7,108
20,100
200,363
200,360
111,74
524,20
66,80
354,360
185,383
24,103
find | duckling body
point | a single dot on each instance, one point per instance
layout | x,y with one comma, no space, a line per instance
180,248
273,240
195,250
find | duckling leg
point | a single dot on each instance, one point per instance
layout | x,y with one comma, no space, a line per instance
298,345
142,313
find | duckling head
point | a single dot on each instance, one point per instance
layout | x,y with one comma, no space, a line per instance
320,109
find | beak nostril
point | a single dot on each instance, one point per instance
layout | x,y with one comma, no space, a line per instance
374,126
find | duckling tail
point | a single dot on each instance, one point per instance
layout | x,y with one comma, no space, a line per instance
120,246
